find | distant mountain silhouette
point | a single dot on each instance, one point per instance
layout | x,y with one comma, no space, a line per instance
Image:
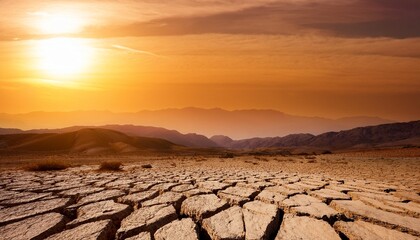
89,141
126,138
4,131
287,141
221,140
363,137
238,124
190,140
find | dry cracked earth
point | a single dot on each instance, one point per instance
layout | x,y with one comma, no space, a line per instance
198,203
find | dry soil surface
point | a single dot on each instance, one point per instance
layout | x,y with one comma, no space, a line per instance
319,197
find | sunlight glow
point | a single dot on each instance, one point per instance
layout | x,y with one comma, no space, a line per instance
59,23
63,57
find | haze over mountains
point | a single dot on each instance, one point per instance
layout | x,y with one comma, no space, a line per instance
238,124
129,138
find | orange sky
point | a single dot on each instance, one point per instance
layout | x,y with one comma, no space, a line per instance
355,57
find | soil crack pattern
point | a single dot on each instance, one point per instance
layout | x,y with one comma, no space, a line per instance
191,203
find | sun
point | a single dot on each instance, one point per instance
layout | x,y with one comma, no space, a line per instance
63,57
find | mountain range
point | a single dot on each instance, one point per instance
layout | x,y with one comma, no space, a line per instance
129,138
394,134
238,124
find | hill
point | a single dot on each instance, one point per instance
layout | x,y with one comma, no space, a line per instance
189,140
88,141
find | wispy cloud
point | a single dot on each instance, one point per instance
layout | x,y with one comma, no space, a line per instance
132,50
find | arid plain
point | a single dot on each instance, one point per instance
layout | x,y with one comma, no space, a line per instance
353,195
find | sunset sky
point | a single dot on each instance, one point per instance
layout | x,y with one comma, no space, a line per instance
324,58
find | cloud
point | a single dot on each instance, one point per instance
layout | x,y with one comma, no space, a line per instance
345,18
361,18
396,19
132,50
403,28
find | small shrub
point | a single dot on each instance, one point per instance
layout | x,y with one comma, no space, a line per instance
261,153
110,166
48,165
146,166
227,155
302,154
283,153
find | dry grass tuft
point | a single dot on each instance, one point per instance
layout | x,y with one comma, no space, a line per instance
146,166
227,155
48,165
110,166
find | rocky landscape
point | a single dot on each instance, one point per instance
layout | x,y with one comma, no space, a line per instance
211,198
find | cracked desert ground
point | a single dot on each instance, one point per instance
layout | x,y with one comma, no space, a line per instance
367,195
